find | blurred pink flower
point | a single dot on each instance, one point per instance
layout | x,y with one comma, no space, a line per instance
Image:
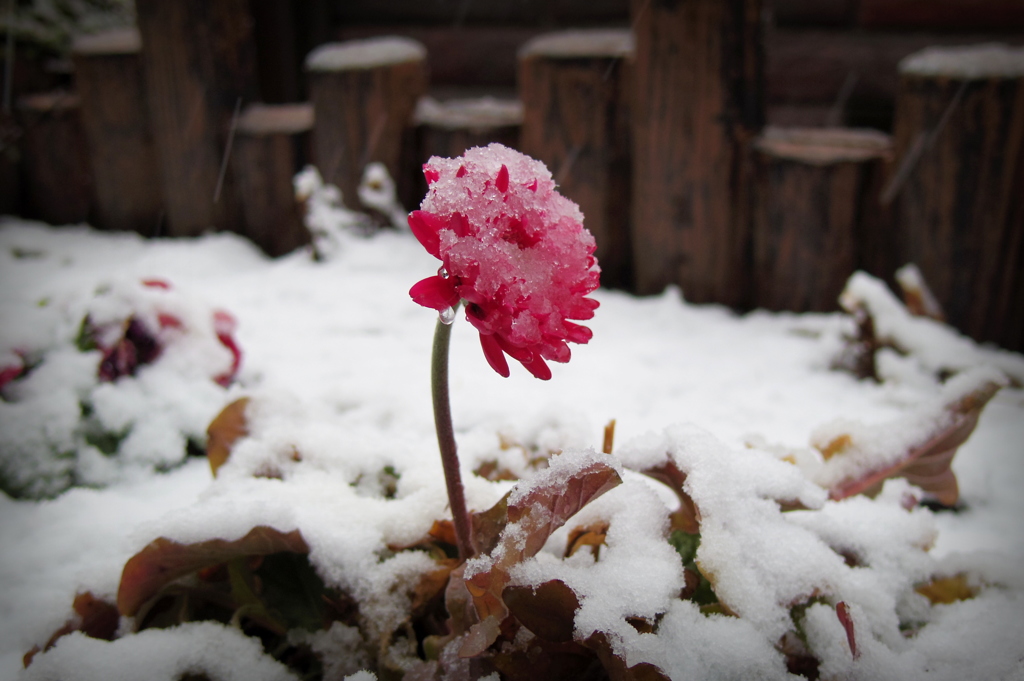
511,247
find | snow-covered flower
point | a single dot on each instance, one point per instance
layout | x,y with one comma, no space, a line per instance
511,247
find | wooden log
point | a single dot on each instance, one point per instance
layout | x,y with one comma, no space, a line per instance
271,145
812,12
277,59
364,93
460,56
574,88
507,12
115,120
810,187
698,102
58,179
199,64
959,15
957,183
446,128
810,67
10,164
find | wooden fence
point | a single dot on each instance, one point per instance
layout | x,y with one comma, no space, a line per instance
709,149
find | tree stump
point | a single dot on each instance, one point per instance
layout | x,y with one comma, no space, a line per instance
574,88
448,128
199,63
108,78
698,103
958,182
810,187
58,180
271,145
364,93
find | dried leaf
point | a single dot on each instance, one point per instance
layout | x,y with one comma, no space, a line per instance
947,590
843,613
163,561
227,427
927,465
591,535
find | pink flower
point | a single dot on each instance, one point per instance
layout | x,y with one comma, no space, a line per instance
511,247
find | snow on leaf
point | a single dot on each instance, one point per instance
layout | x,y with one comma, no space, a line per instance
163,561
535,510
919,448
95,618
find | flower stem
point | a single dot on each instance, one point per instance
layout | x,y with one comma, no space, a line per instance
446,439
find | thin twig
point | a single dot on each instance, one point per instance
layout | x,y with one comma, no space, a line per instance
835,114
922,143
227,150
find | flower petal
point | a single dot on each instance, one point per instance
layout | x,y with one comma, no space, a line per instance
538,367
425,227
435,293
495,357
501,182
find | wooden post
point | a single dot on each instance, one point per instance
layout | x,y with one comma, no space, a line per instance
698,103
59,184
199,64
450,127
108,78
271,145
810,186
575,118
958,181
10,164
364,93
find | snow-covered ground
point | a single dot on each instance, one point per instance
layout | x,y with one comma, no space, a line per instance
335,361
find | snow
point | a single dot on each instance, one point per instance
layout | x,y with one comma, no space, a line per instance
336,366
365,54
972,62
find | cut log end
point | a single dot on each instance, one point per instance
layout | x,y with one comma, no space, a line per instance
972,62
365,54
580,44
272,119
115,41
824,146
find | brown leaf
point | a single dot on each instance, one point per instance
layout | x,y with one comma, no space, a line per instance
616,667
227,427
592,535
163,561
549,610
927,464
95,618
686,518
947,590
531,519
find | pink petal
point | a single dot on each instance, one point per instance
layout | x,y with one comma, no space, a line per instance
501,182
577,334
461,172
538,368
431,174
435,293
425,227
495,357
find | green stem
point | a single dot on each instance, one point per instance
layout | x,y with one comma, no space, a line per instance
446,439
